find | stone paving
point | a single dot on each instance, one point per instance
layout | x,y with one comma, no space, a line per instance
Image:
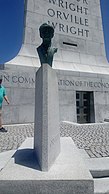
15,136
93,138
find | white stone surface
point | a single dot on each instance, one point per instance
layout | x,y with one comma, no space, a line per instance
46,132
67,106
101,186
99,167
68,174
20,83
68,21
5,157
88,59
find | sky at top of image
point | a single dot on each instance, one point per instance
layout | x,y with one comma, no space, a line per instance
11,27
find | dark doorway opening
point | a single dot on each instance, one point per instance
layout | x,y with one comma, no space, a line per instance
85,107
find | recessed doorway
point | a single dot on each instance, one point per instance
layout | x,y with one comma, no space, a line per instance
85,107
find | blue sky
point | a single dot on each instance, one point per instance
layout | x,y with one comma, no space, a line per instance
11,27
105,18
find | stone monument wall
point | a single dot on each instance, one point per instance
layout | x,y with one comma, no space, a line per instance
20,84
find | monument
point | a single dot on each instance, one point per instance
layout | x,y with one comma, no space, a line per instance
81,64
46,132
63,173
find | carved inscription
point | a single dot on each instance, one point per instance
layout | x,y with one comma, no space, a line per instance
18,79
28,80
54,140
80,83
69,17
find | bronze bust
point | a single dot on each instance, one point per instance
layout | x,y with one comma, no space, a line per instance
45,50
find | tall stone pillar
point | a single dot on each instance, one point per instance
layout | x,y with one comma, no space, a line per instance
46,131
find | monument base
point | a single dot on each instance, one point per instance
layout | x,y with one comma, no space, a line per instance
68,175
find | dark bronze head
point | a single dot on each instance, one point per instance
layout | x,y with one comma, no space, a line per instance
46,31
45,50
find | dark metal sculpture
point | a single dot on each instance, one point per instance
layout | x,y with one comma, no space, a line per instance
45,50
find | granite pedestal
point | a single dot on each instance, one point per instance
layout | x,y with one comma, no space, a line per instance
46,132
68,175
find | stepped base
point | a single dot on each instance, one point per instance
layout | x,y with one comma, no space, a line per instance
99,167
68,175
101,186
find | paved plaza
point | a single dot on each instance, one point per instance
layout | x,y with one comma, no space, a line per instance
95,140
